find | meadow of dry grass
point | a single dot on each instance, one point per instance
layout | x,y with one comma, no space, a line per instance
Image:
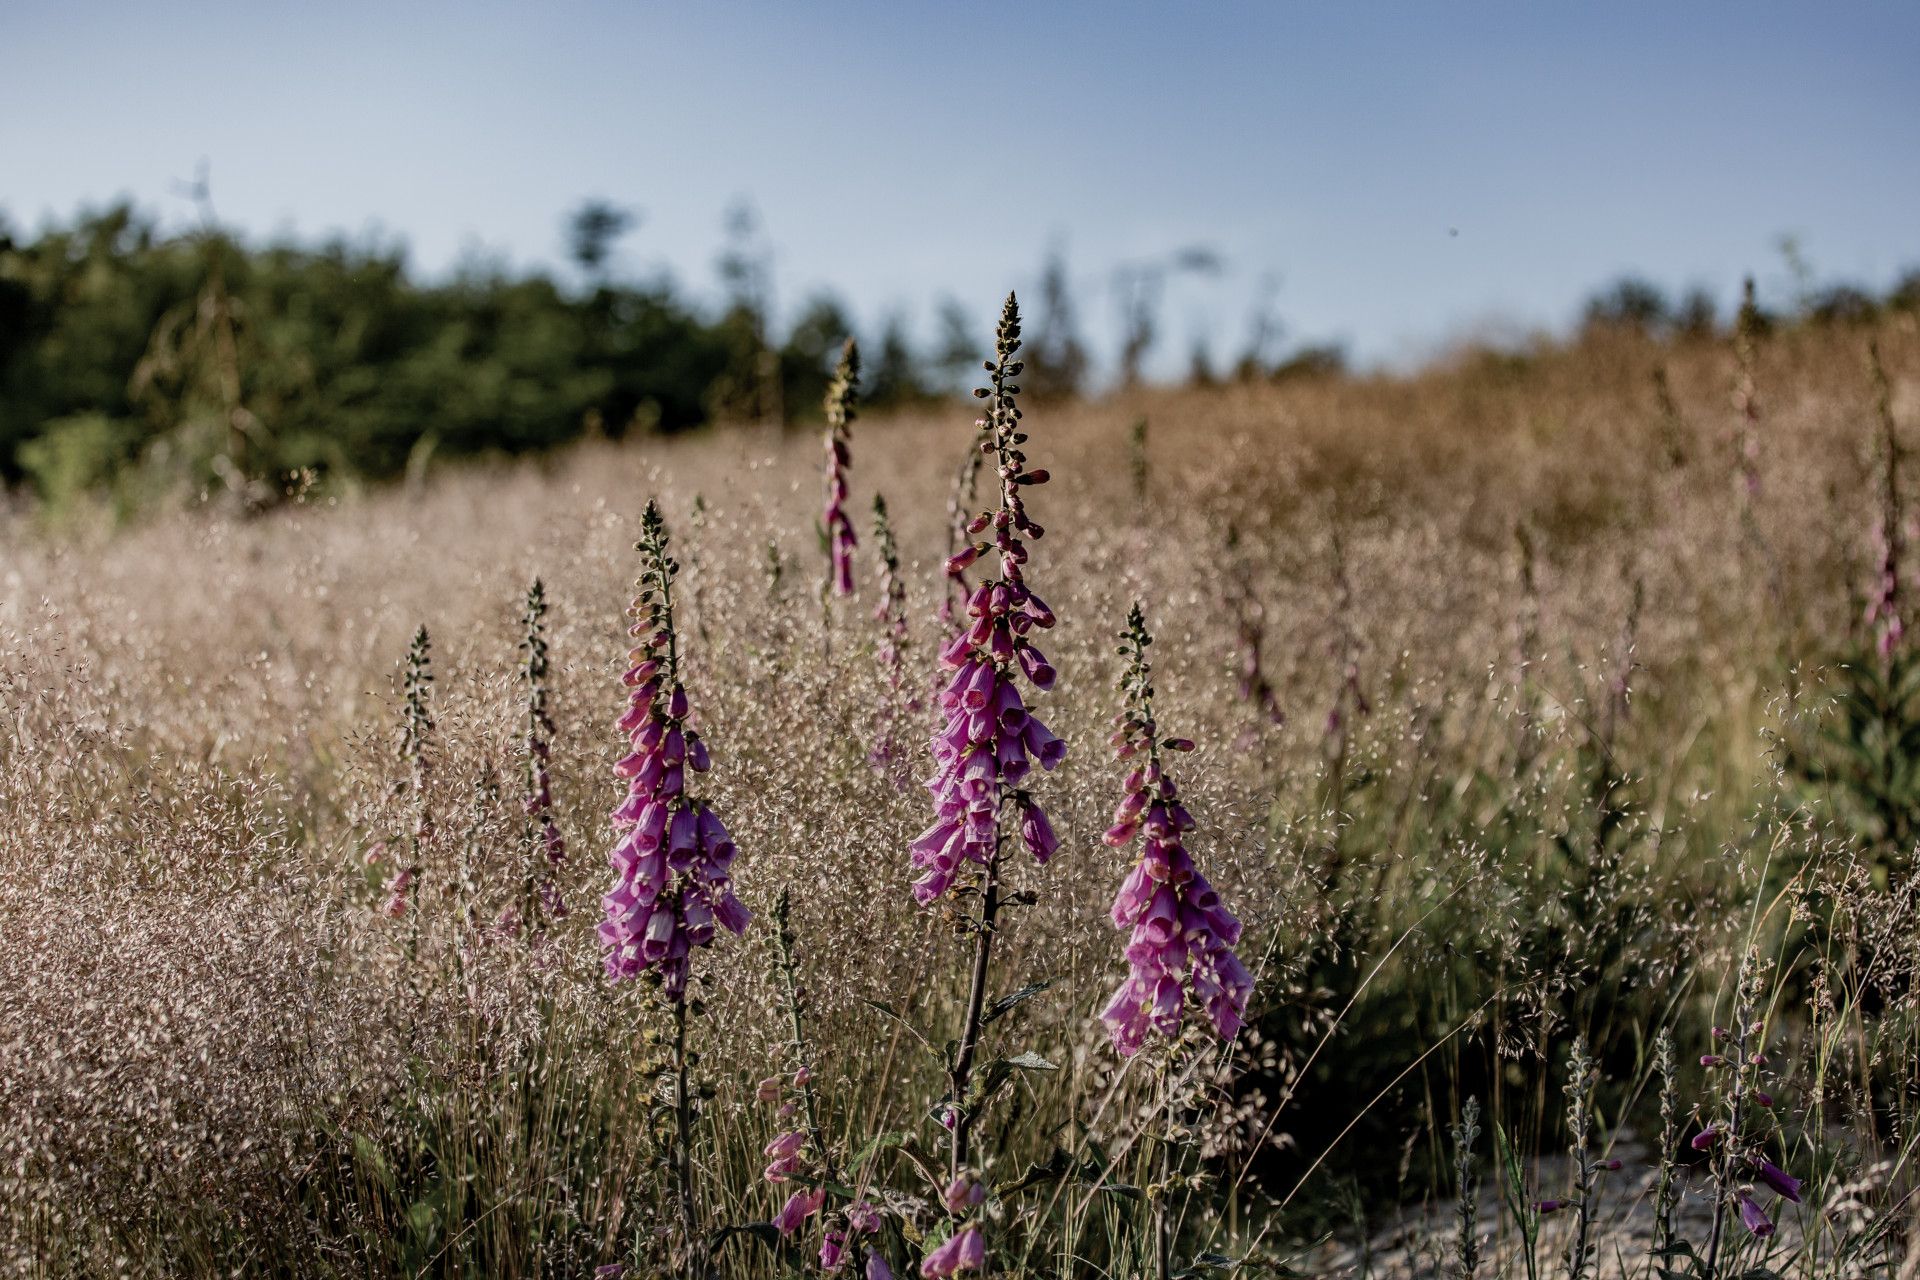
1579,797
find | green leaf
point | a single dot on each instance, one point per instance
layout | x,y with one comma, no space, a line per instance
874,1146
1012,1000
423,1216
765,1232
1030,1061
994,1075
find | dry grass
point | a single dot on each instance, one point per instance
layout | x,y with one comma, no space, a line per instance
218,1058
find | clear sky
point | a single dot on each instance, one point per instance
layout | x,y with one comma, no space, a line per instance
1409,172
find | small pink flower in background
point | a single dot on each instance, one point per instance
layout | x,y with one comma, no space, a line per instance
833,1250
800,1206
862,1218
962,1194
966,1251
784,1154
397,890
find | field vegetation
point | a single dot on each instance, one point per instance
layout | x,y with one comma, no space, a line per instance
1553,743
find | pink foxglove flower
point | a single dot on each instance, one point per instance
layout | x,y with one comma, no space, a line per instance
800,1206
836,526
1181,946
783,1154
1754,1218
672,862
396,890
965,1251
962,1194
833,1250
1784,1184
989,740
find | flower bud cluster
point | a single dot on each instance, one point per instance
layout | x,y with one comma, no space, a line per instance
1181,945
989,739
672,882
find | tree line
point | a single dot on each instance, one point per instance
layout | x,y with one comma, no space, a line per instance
137,362
134,359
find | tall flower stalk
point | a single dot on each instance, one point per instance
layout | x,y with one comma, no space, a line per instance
1746,399
1250,630
672,857
1673,426
546,848
696,540
1137,457
891,613
836,525
1666,1195
1349,700
1885,606
416,732
1180,950
1586,1168
1526,646
1466,1181
984,751
1739,1159
799,1152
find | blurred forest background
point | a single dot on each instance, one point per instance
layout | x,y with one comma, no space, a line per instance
138,365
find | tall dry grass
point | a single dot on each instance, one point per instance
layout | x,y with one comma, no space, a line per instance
1573,806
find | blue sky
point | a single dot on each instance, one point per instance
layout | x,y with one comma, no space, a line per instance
1409,173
